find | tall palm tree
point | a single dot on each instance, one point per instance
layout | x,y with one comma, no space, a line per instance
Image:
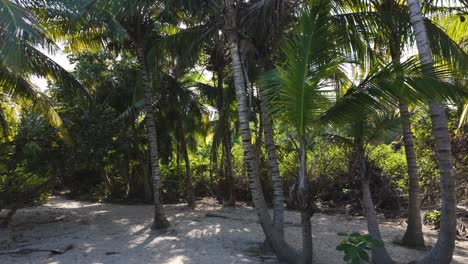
378,95
114,25
387,25
443,249
300,91
230,29
227,12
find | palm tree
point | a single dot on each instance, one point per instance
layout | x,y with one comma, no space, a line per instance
377,96
21,41
443,249
387,24
187,110
227,12
300,91
358,133
117,24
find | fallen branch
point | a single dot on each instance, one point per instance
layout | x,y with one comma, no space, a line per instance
58,219
30,250
55,235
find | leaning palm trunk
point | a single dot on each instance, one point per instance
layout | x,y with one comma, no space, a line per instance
442,252
160,221
281,248
379,254
278,205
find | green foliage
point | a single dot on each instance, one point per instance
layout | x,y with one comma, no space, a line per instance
392,162
25,177
432,217
356,247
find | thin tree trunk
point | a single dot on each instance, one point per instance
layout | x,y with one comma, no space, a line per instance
146,182
188,174
282,249
230,201
160,221
278,204
379,254
303,198
8,217
442,251
226,144
413,236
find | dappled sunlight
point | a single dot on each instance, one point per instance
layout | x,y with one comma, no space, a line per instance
149,239
211,230
87,247
122,221
177,260
98,212
122,234
58,202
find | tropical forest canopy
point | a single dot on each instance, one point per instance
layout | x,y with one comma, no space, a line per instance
356,104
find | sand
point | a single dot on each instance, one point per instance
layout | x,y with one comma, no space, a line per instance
113,233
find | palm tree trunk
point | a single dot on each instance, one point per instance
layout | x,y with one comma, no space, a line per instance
146,182
278,204
379,254
160,221
230,201
188,174
226,143
282,249
413,236
304,203
442,251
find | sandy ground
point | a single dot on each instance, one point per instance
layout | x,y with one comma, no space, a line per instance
111,233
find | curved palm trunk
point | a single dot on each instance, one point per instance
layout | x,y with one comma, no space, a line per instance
442,252
379,254
413,236
160,221
281,248
278,205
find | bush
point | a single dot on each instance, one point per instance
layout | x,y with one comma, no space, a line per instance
432,218
356,246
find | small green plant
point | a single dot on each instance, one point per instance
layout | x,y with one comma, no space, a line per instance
356,246
432,218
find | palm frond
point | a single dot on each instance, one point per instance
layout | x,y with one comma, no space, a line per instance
18,87
384,88
300,88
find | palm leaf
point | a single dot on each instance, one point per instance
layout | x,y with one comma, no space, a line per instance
300,88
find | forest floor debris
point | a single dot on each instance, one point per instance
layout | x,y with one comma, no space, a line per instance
114,233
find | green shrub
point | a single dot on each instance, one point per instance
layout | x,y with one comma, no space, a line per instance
356,246
432,217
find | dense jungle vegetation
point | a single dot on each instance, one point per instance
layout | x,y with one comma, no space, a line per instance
307,105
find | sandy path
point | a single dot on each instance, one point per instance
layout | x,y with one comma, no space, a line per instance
110,233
